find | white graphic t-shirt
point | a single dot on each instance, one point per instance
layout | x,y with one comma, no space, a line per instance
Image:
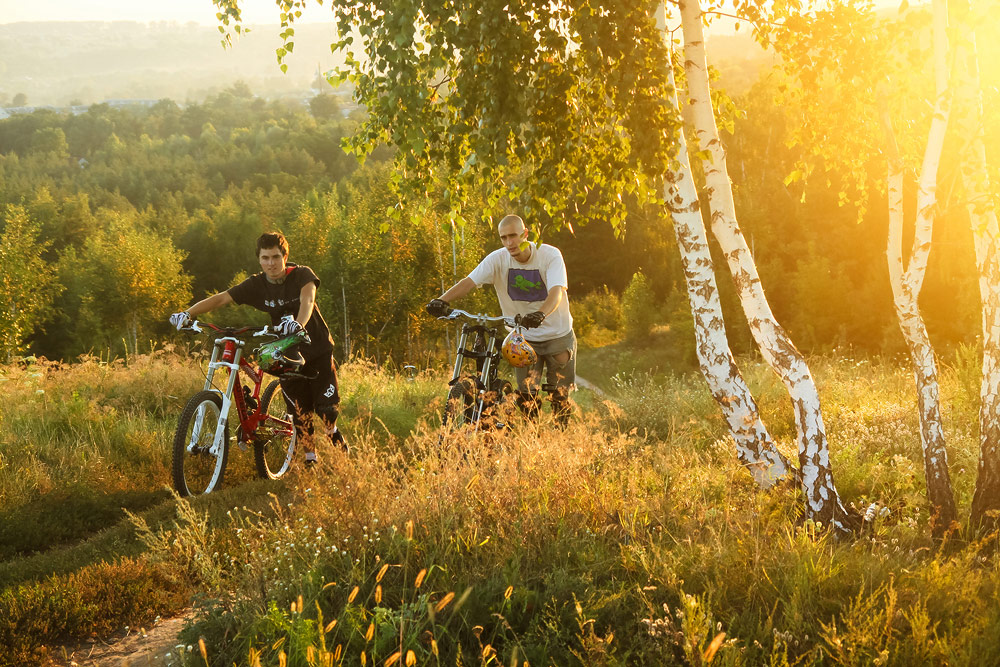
522,287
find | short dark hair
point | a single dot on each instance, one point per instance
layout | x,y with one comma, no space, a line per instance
272,240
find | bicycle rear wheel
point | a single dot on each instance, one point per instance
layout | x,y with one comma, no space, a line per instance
274,443
197,469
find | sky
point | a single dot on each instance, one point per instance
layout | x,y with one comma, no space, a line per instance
145,11
181,11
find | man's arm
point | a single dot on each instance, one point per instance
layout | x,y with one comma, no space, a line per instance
210,303
307,300
458,290
553,300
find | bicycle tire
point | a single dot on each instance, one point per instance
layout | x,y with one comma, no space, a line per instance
272,448
460,406
196,470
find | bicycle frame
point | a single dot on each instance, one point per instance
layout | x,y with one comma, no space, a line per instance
487,359
228,353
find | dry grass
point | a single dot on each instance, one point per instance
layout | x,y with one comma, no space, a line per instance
630,537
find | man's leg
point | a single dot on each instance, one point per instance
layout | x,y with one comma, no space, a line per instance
326,399
527,388
560,374
299,399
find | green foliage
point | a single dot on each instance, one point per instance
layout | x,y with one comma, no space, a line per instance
27,290
554,110
132,277
639,311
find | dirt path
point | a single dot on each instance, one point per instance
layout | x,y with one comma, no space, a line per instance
134,648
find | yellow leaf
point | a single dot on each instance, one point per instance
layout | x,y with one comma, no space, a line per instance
714,646
444,601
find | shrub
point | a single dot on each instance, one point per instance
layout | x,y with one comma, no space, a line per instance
638,308
597,317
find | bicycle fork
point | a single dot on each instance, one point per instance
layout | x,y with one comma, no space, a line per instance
483,380
232,350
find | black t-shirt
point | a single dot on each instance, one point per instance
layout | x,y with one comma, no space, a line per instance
280,300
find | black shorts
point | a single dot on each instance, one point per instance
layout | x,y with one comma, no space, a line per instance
314,395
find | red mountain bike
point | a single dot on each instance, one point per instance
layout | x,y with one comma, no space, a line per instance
201,442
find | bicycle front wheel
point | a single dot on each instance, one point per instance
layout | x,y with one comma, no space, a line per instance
198,465
274,443
461,405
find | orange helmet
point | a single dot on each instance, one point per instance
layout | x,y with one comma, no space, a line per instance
517,351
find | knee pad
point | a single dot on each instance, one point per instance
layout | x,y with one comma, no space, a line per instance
329,413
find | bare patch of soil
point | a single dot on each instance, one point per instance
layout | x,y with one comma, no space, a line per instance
139,647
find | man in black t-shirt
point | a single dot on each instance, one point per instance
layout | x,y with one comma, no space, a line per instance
287,292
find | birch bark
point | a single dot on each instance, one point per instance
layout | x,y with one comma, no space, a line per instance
755,447
907,283
986,237
822,501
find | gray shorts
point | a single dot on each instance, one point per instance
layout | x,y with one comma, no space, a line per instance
560,375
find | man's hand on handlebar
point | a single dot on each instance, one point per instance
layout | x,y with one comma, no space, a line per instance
180,320
288,326
531,320
438,308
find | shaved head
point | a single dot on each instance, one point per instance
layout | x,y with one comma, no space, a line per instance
511,223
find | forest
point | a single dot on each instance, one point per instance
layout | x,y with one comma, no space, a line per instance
181,191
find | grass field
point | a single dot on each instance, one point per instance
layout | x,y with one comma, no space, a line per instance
630,537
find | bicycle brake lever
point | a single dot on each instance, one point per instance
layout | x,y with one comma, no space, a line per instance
265,332
194,327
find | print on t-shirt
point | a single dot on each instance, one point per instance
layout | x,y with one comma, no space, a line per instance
526,285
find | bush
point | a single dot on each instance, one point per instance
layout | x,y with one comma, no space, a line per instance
598,316
638,308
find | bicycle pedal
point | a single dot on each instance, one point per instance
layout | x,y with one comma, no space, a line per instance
238,441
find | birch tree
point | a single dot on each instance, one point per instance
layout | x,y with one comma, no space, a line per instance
986,240
880,51
822,500
906,283
755,447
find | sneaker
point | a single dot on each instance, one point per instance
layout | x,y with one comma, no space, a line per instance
311,459
337,438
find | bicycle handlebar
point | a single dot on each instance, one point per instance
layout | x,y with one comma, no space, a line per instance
478,318
266,331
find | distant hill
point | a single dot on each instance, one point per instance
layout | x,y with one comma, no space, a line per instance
58,63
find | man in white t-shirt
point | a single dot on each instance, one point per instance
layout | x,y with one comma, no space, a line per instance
530,282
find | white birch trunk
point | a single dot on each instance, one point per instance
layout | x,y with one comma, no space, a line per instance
986,237
755,447
822,501
907,283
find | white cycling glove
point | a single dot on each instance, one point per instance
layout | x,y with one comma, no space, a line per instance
180,319
288,326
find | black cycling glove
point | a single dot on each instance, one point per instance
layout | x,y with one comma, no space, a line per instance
532,320
438,308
